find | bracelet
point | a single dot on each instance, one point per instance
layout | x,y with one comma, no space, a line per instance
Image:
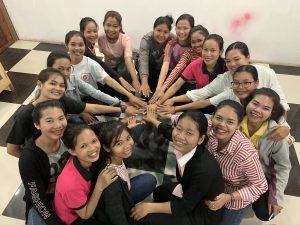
232,197
123,108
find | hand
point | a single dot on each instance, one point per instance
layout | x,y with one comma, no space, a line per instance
136,84
131,111
105,178
218,202
126,85
166,109
137,101
158,94
141,210
145,89
88,118
150,115
278,132
276,209
164,115
169,102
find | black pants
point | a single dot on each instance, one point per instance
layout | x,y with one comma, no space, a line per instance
260,206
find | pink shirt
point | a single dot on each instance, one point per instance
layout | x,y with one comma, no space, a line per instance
241,169
114,53
194,71
72,190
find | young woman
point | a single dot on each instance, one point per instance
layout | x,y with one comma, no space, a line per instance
41,161
238,160
198,35
89,28
198,174
151,53
51,86
75,199
262,113
245,81
90,71
116,47
173,51
117,144
203,70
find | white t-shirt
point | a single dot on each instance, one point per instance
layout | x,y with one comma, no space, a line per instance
89,71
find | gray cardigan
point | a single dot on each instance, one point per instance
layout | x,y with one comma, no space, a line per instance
78,89
275,161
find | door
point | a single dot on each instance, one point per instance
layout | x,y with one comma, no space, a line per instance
7,32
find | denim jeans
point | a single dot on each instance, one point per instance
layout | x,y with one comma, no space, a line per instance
234,217
34,218
141,186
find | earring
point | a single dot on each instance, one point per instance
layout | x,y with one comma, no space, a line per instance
37,92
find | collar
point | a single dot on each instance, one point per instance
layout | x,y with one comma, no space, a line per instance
218,69
87,175
260,132
183,160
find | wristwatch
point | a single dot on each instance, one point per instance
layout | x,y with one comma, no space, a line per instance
123,108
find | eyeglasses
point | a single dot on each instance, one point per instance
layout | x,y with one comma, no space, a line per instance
245,84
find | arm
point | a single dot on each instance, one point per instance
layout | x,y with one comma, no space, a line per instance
143,209
115,85
89,90
173,89
35,191
130,67
105,178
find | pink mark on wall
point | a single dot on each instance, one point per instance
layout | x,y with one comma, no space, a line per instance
241,22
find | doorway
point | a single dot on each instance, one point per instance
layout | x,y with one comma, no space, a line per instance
8,34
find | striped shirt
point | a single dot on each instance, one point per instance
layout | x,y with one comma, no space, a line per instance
188,56
241,169
122,172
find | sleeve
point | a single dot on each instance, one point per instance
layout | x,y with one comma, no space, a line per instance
20,130
185,59
280,169
97,71
215,100
144,57
165,130
274,84
106,67
168,50
35,190
195,192
127,46
256,178
89,90
112,197
72,106
213,88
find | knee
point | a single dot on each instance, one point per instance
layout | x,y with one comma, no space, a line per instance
263,216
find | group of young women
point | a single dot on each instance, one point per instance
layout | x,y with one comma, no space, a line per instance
226,162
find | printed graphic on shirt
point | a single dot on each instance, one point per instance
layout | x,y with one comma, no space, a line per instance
85,76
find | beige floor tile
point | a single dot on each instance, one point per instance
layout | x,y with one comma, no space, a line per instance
290,85
10,221
6,111
29,98
9,176
32,63
24,44
297,149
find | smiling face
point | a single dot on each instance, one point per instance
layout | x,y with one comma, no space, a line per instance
211,52
76,48
224,124
112,28
53,88
197,40
183,29
259,109
87,148
161,33
91,32
52,123
64,66
243,84
122,149
186,135
234,58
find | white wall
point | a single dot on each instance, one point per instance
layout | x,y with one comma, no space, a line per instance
271,28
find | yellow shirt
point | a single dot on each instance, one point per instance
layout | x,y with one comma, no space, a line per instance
257,135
